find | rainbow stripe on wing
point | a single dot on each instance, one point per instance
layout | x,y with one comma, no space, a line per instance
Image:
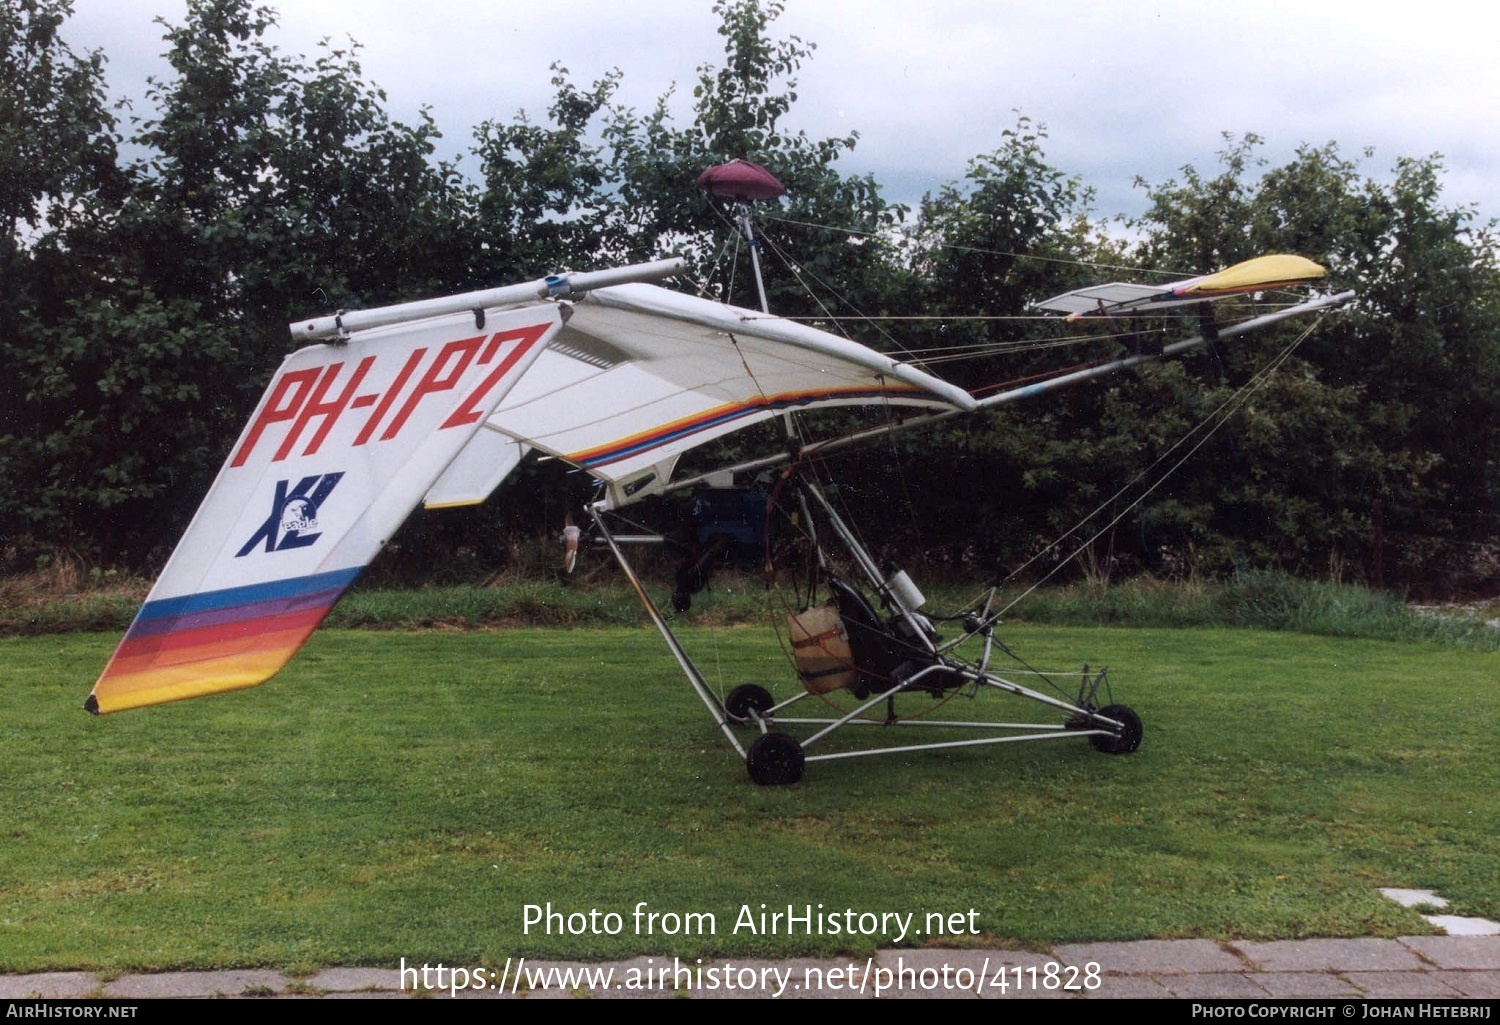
215,641
718,416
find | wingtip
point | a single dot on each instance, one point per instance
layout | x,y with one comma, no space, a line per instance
91,706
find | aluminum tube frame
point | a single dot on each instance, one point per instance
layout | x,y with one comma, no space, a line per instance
856,717
559,286
689,668
980,742
866,564
818,448
747,228
976,674
948,724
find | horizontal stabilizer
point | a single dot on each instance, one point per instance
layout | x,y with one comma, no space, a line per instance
1123,299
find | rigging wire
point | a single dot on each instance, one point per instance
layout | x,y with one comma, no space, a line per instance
924,356
797,272
1261,306
716,265
982,251
1207,427
1060,371
896,461
953,353
734,266
1180,451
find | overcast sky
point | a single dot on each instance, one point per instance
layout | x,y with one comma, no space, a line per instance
1125,89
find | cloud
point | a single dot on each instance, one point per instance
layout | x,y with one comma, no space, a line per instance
1125,89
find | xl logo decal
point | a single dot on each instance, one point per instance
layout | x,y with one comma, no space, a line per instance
293,521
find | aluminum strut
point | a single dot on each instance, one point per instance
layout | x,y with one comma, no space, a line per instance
819,448
689,669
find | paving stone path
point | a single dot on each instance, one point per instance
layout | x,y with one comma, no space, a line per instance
1437,967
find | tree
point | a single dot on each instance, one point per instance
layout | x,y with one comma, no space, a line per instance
545,202
632,196
1381,429
270,186
57,156
143,307
739,108
57,140
1015,229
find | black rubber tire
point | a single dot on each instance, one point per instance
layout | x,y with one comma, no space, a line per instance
775,760
1124,743
747,698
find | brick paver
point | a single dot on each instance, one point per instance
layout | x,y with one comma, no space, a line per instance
1438,967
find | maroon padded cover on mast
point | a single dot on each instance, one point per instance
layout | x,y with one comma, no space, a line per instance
740,179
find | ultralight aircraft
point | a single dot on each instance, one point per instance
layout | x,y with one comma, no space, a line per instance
438,401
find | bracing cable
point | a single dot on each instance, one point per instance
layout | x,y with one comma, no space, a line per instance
1203,430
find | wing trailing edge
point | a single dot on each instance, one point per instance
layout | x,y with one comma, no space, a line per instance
641,375
438,402
435,402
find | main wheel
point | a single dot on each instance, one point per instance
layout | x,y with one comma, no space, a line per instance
775,759
1125,742
748,698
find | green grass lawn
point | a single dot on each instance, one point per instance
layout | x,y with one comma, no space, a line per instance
408,793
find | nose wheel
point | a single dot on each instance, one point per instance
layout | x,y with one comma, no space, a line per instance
775,759
1124,742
